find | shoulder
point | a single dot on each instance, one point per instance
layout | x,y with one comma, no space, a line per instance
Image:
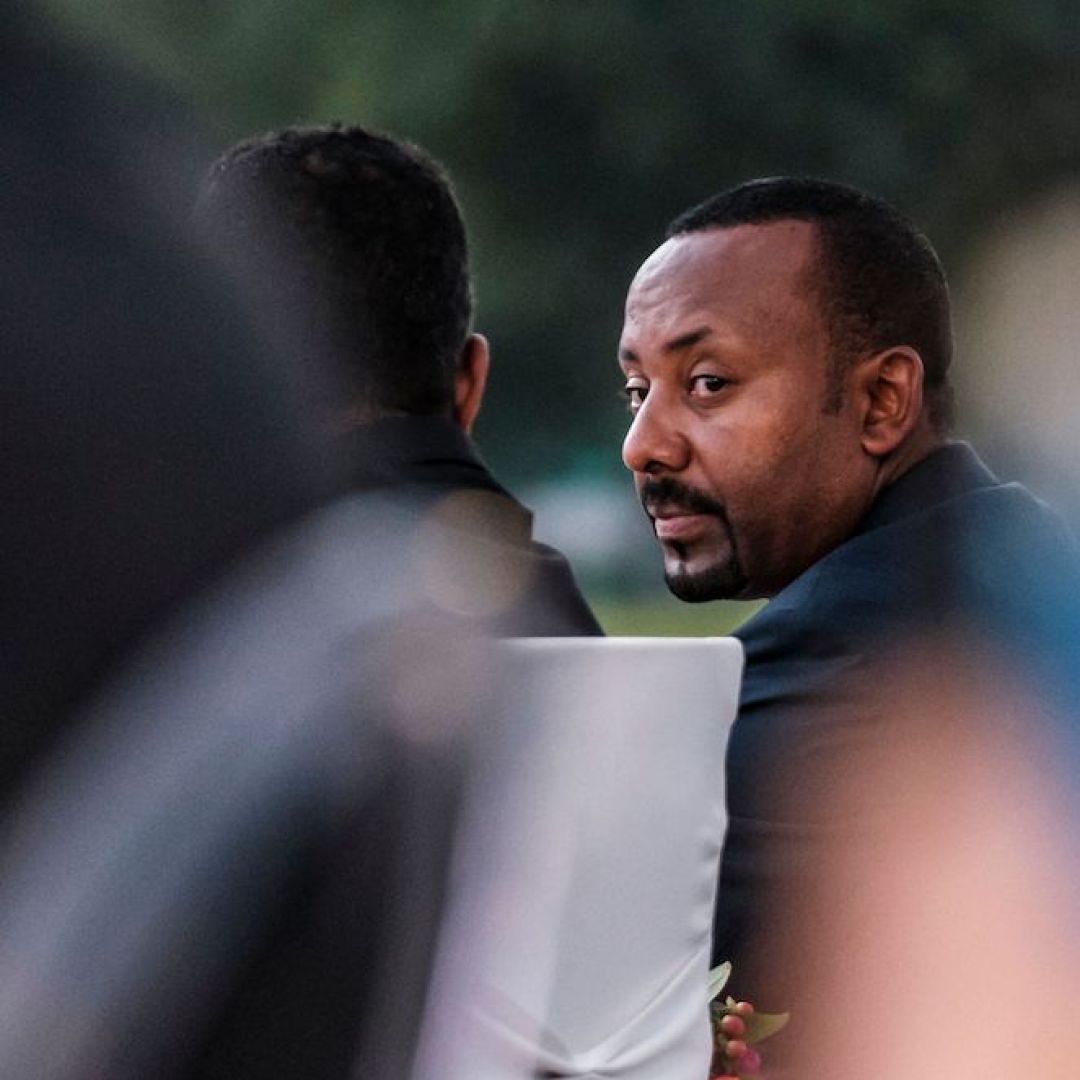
471,548
994,569
953,559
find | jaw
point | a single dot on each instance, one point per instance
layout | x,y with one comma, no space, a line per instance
705,571
718,581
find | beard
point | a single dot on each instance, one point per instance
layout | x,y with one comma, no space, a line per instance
722,577
722,580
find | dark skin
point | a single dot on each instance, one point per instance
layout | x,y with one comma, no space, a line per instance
746,476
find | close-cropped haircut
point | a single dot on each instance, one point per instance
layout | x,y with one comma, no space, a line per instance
878,280
356,241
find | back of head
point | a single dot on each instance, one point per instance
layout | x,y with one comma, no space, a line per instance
355,246
878,279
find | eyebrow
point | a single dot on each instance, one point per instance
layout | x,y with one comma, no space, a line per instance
687,341
683,341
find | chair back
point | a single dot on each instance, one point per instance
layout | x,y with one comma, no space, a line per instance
580,939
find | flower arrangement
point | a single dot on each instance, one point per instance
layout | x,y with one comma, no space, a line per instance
737,1027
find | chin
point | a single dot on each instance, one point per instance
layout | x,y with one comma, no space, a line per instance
720,581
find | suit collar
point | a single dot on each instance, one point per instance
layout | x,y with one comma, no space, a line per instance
432,454
951,470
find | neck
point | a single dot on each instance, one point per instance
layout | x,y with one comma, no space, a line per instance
923,441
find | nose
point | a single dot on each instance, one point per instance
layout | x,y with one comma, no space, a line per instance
655,443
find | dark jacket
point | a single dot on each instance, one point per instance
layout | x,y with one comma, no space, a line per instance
492,571
950,568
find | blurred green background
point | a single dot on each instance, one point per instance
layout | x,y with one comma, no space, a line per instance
575,129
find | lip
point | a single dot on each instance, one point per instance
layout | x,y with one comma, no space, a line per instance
679,526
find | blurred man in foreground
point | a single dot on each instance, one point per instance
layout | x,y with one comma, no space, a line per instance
233,729
356,241
786,354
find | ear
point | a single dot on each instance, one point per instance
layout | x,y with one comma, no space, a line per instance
470,380
889,389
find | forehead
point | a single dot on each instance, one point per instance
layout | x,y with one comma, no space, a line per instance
748,277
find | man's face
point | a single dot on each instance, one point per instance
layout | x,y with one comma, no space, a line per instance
745,476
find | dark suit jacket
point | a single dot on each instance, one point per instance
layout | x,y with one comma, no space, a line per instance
948,560
506,583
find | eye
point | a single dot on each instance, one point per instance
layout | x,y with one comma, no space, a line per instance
708,385
635,391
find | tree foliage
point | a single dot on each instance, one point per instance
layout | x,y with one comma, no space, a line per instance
575,129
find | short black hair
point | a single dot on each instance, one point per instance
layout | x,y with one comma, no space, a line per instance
879,280
360,237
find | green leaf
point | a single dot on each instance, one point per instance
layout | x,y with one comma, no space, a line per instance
718,978
761,1026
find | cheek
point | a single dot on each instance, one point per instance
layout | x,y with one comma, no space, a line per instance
774,477
816,490
746,459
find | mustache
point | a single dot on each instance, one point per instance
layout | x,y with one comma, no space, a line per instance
666,492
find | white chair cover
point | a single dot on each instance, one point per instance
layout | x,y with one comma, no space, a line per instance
580,937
